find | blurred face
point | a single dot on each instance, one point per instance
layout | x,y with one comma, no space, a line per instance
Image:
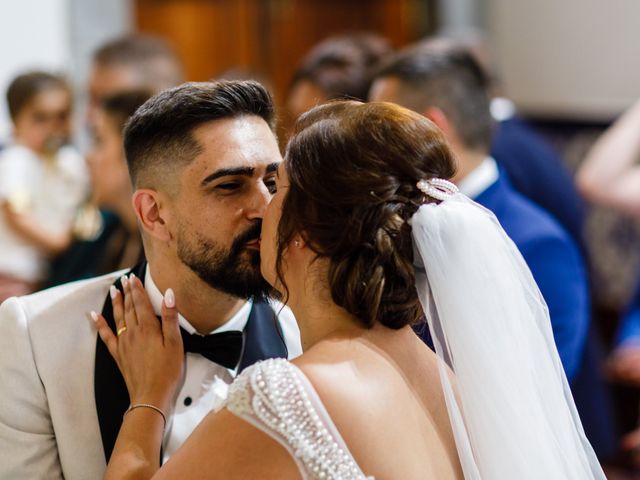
223,195
303,97
104,81
44,124
269,238
107,164
385,89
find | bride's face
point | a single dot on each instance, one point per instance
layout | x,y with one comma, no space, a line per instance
270,221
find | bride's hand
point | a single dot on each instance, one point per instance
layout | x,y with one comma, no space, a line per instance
148,352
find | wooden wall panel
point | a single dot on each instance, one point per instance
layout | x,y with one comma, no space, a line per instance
269,37
299,25
211,36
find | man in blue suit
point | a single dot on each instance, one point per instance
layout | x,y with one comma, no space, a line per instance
534,168
450,89
537,172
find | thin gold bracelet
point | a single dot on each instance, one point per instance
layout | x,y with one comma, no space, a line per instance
146,405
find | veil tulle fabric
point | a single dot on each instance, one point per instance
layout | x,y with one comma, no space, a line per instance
511,409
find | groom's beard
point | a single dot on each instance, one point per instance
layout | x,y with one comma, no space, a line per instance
235,271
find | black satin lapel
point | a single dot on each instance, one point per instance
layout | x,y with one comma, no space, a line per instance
112,397
263,337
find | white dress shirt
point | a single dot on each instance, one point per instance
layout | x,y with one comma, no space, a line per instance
480,178
205,383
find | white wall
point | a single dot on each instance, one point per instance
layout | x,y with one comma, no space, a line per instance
33,34
57,35
571,58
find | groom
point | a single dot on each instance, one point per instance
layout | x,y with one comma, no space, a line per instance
202,159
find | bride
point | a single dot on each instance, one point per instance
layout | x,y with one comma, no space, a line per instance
362,237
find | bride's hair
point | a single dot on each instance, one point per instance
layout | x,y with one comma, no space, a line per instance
353,169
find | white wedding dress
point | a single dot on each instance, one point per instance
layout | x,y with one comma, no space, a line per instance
513,416
276,397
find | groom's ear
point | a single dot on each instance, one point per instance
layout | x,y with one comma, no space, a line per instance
148,206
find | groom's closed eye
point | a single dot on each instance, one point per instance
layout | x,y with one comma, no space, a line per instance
270,177
229,186
228,172
239,176
271,184
232,180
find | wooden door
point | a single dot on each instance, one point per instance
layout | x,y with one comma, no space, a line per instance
269,37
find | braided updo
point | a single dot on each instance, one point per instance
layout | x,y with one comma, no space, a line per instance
353,169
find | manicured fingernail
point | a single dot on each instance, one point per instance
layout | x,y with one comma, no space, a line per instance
124,280
132,275
113,291
94,316
169,298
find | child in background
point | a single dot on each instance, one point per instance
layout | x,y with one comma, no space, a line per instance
42,181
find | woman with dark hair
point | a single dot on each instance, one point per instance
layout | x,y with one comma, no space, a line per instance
364,235
106,239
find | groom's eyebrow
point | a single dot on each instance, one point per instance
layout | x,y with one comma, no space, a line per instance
272,167
229,172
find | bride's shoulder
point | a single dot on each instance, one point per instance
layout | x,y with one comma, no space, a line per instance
277,397
279,381
339,375
263,378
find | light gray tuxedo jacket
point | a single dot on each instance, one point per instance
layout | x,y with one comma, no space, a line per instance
48,420
49,425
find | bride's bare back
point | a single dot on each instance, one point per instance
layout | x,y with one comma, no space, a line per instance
383,392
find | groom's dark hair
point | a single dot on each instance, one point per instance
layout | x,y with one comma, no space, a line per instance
158,137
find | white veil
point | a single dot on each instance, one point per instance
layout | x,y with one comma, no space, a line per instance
511,409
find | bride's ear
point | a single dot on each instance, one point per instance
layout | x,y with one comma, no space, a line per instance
298,242
148,207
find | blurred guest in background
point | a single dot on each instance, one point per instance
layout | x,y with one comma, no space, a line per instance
42,181
610,176
534,168
338,67
120,245
625,362
450,90
131,63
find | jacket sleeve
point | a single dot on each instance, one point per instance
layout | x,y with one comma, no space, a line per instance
28,446
559,271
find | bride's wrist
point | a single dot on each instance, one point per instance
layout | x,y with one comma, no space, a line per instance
150,408
162,402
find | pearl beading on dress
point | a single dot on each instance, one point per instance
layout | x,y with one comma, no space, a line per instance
272,393
437,188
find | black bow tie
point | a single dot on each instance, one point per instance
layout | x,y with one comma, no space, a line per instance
224,348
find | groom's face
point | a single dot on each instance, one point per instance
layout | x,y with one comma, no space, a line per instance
222,198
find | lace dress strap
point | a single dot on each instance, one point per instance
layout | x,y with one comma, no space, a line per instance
276,397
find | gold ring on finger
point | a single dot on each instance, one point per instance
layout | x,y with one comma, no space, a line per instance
121,330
